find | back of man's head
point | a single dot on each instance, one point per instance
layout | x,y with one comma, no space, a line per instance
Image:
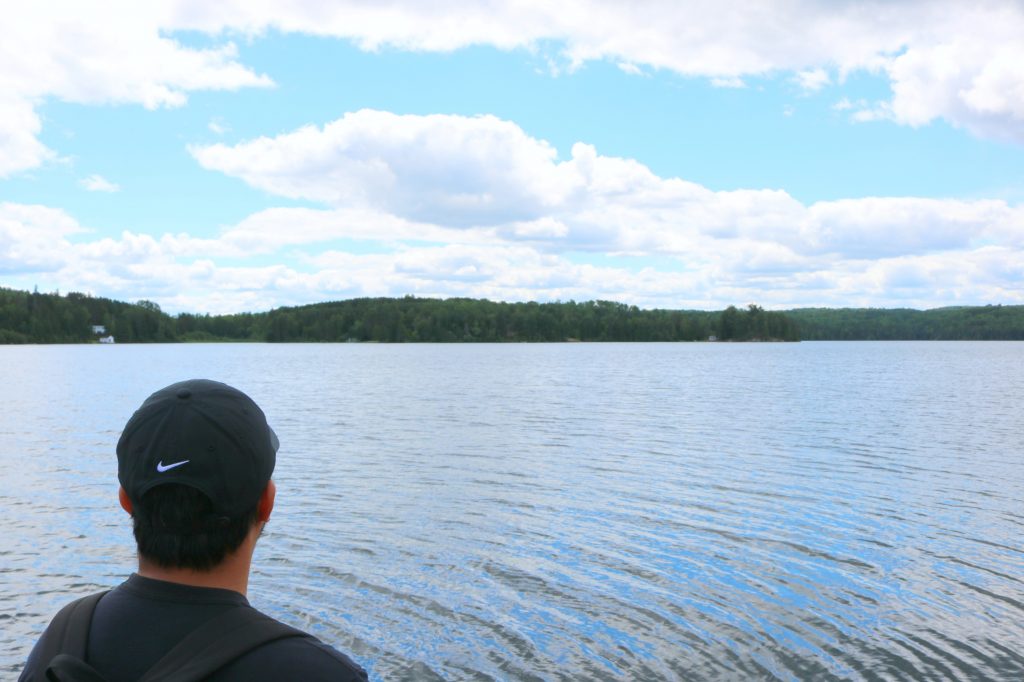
175,527
194,460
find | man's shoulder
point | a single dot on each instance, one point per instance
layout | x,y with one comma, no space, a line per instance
290,653
301,657
295,655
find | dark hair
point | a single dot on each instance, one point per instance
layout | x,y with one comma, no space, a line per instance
175,527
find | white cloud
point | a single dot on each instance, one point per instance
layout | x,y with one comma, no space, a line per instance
275,229
33,238
97,183
631,69
949,59
392,177
945,59
449,170
730,82
94,53
977,84
873,228
742,38
462,206
881,111
184,274
845,104
813,79
20,149
217,126
116,52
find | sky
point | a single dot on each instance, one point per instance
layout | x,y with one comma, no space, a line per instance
240,156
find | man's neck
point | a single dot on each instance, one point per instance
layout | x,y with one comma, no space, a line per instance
183,576
230,574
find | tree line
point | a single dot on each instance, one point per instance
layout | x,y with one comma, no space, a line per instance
33,317
51,318
963,323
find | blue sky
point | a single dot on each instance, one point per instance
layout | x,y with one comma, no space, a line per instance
666,155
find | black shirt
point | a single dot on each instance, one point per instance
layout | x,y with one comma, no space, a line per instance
142,619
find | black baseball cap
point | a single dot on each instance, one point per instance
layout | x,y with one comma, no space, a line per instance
202,434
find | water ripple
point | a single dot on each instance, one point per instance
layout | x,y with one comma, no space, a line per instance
584,511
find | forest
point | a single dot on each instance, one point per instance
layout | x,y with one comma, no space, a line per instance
964,323
33,317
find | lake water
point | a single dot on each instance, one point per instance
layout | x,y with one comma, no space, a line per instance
573,511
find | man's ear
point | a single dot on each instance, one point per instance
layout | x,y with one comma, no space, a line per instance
122,496
266,504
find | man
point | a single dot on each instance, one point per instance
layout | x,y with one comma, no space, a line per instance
194,463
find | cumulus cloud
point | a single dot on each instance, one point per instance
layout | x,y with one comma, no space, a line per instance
729,271
34,238
474,206
20,149
275,229
974,84
946,59
394,176
443,169
95,53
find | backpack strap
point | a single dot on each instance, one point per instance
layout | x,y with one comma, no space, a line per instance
68,632
64,668
218,642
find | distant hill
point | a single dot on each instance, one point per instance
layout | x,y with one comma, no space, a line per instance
32,317
967,323
51,318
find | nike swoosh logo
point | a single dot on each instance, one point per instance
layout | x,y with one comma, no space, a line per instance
161,468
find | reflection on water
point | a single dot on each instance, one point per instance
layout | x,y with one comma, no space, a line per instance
599,511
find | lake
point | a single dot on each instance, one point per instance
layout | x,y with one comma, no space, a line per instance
573,511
